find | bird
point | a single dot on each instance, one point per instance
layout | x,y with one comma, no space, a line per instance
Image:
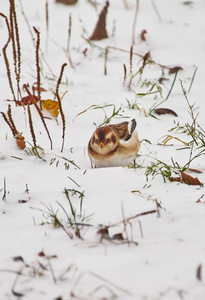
114,145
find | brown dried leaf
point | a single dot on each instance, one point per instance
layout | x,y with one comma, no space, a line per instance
163,111
20,141
118,236
177,179
35,88
161,79
26,101
103,231
143,35
190,180
100,31
175,69
195,171
187,179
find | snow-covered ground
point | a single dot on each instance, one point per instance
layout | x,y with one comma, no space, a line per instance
161,253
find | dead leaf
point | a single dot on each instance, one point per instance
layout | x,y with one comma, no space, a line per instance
118,236
51,106
175,69
187,179
195,171
161,79
163,111
18,258
35,88
41,254
100,31
26,101
20,141
142,35
103,231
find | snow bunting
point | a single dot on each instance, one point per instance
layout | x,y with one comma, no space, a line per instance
114,145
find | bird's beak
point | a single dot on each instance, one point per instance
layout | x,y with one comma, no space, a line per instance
101,144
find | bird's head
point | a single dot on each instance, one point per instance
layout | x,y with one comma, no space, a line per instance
104,140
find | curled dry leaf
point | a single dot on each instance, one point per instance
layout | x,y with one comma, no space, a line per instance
26,101
100,31
35,88
175,69
195,170
143,35
163,111
51,106
187,179
20,141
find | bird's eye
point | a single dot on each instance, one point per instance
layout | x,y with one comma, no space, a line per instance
108,140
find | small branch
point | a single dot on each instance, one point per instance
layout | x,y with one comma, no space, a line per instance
5,56
59,103
38,65
31,125
39,112
156,10
134,22
134,217
47,25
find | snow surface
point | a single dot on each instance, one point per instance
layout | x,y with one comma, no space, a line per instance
171,247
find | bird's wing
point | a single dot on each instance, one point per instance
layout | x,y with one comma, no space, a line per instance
125,129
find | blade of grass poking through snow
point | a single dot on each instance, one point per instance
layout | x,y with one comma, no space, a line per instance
38,65
192,80
4,195
39,112
169,93
59,103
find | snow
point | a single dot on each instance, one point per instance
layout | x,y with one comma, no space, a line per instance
170,246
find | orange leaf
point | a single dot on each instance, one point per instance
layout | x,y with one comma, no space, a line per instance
20,141
51,106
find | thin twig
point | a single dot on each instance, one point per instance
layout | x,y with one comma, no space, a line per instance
5,56
156,10
134,22
59,103
47,26
31,125
39,112
38,65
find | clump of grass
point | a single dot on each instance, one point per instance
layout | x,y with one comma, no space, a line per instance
161,168
74,221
